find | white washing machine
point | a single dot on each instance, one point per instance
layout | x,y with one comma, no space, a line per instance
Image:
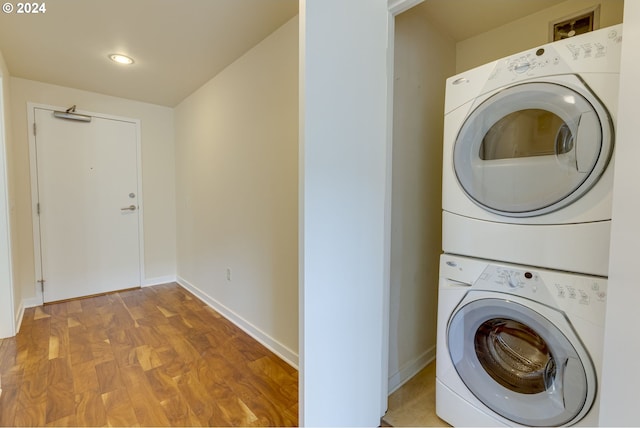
528,155
518,345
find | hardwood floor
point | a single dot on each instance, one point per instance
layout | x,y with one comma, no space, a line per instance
155,356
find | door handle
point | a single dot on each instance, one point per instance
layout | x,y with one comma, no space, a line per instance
129,208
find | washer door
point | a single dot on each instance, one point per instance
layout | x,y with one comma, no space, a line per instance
534,147
519,364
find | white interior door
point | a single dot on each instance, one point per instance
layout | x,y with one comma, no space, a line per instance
88,196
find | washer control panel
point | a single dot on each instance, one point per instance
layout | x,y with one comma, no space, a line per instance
570,292
509,280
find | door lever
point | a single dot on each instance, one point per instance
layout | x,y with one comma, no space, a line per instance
129,208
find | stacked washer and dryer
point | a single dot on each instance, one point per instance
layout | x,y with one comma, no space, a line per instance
527,182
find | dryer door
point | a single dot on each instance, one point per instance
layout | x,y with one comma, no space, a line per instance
519,364
534,147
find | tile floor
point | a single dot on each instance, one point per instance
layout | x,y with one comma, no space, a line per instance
414,404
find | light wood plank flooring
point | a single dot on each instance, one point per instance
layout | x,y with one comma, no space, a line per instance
155,356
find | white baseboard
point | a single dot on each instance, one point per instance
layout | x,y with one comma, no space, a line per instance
289,356
410,369
149,282
32,302
19,316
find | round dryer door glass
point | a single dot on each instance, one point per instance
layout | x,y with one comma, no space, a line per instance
519,364
533,148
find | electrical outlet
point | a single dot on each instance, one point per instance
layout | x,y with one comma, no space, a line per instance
229,274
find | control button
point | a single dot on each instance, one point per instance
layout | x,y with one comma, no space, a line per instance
584,298
575,51
601,295
528,275
572,292
561,292
522,68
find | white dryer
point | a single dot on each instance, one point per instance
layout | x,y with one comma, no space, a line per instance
528,155
518,345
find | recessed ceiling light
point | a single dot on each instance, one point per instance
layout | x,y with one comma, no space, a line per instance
121,59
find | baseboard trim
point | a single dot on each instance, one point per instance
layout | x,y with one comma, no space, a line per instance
150,282
286,354
410,369
31,302
19,316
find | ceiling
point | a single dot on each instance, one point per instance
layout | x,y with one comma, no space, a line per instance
178,45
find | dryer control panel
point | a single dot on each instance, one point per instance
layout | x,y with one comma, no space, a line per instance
593,52
597,51
530,61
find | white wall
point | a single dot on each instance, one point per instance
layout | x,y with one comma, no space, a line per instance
236,173
419,84
158,183
528,32
8,304
619,405
343,167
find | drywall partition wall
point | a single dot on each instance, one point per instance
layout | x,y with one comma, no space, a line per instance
158,178
343,167
528,32
619,399
236,174
8,306
416,229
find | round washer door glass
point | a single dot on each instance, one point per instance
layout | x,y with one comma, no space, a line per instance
519,364
533,148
